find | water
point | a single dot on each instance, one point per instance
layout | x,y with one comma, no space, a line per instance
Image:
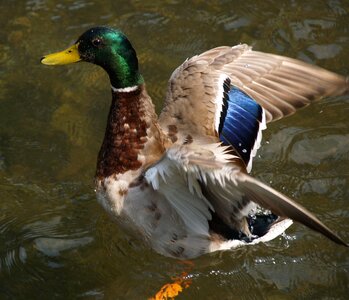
55,240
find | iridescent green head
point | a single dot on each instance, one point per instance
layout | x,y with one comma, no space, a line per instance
106,47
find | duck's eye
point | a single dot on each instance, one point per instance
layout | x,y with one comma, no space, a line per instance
97,42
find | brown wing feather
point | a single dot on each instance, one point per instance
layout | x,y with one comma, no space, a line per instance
280,84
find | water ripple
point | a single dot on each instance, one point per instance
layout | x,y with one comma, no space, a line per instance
53,246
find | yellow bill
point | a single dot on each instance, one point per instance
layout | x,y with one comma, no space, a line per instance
67,56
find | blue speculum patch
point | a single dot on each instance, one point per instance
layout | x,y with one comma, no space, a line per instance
240,122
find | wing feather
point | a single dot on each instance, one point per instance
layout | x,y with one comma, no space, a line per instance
281,205
280,84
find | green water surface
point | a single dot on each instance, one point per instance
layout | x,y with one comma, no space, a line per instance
56,242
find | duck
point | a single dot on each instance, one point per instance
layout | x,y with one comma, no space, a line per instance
180,181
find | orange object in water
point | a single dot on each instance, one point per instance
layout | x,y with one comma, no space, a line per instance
172,290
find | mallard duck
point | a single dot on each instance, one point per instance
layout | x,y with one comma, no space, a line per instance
181,181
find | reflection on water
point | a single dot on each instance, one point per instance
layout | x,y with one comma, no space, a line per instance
56,242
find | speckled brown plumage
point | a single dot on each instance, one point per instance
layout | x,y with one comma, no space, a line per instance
172,133
125,135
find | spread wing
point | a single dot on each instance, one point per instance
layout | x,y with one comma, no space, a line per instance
279,84
199,180
217,104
